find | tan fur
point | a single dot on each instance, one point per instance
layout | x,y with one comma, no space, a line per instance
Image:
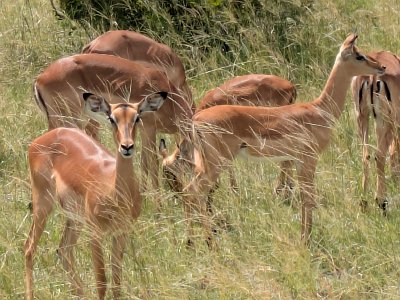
300,131
252,89
143,50
92,187
246,90
384,108
61,86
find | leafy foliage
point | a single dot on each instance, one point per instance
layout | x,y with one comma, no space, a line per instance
228,25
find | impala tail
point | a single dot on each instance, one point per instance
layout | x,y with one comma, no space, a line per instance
39,101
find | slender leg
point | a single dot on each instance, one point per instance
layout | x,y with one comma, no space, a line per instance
99,270
69,238
40,215
284,184
150,161
232,180
118,247
196,200
306,173
394,151
384,136
363,131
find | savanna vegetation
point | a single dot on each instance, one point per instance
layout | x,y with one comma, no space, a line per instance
259,255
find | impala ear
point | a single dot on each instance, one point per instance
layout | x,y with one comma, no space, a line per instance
152,102
348,45
96,105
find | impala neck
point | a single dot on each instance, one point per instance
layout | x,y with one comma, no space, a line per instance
333,96
126,186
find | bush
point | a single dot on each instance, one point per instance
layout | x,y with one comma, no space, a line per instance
229,26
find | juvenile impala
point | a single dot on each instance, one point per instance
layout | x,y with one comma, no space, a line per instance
59,88
299,132
92,187
379,96
145,51
246,90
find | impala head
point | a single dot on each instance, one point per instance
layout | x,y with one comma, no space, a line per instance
123,117
177,165
358,62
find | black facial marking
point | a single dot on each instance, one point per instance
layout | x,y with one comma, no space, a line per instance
360,57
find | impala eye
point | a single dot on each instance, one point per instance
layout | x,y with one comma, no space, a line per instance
360,57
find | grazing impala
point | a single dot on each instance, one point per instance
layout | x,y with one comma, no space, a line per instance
58,91
246,90
299,132
379,96
91,186
251,90
143,50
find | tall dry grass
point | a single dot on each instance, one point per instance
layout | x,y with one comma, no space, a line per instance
353,255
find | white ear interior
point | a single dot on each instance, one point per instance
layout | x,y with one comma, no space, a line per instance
96,107
152,102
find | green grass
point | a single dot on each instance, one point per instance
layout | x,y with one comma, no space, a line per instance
353,255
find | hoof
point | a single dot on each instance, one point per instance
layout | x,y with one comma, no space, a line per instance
382,205
189,244
363,205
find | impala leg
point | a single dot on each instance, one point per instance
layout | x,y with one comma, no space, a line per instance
118,248
232,179
99,270
384,136
394,152
363,132
284,184
197,200
40,214
306,173
392,99
150,160
69,238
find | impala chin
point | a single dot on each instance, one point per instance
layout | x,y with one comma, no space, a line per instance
382,71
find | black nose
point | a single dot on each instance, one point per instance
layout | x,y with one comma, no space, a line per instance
127,147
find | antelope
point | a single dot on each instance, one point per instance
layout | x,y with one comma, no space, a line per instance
246,90
59,88
378,96
145,51
91,186
251,90
297,132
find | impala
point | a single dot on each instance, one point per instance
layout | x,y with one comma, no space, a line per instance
298,132
91,186
143,50
59,88
246,90
378,95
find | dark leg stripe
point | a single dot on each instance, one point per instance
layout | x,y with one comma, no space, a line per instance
372,100
387,91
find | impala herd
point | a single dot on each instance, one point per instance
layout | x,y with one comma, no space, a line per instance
133,82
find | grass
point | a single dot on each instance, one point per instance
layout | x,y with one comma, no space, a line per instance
353,255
